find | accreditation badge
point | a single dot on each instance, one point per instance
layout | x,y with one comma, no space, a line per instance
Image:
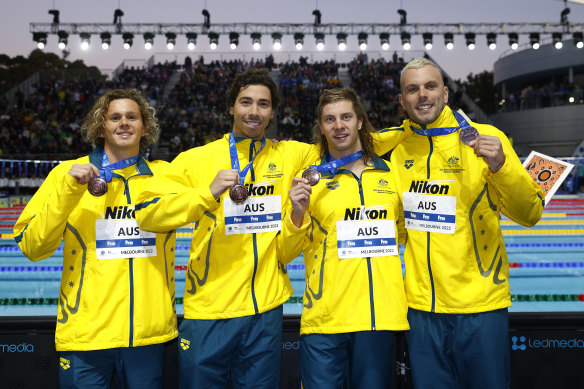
366,238
256,214
430,212
123,239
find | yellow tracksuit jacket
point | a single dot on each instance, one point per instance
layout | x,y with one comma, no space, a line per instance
349,294
459,265
230,275
105,301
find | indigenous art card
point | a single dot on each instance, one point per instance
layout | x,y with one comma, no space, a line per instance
547,172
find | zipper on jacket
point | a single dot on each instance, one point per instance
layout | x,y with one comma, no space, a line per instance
254,237
433,307
130,263
369,270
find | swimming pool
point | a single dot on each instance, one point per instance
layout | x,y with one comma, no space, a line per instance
546,266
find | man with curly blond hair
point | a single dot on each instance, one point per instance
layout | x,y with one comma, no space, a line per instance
116,302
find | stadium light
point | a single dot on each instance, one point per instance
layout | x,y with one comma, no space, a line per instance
298,40
213,40
470,40
191,40
319,36
578,41
277,41
492,40
148,40
106,40
384,40
514,40
557,40
256,40
40,38
233,40
342,41
362,38
406,40
449,40
128,38
427,37
63,39
170,40
534,40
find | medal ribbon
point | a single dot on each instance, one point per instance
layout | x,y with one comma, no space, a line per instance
334,165
462,123
235,159
106,169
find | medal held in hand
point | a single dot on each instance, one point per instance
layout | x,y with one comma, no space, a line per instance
238,193
468,135
97,186
312,175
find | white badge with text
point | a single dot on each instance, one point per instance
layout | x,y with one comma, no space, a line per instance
256,214
123,239
366,238
430,212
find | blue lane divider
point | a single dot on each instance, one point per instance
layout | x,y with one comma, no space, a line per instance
508,245
299,266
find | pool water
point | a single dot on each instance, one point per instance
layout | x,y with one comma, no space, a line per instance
546,266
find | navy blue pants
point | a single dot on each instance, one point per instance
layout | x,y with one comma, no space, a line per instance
135,367
362,359
249,348
459,351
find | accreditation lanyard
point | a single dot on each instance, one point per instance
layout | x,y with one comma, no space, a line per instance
235,159
334,165
106,170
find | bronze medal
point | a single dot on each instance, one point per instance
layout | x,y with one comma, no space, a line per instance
238,193
312,175
467,135
97,186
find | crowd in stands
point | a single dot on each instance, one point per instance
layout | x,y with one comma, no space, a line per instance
544,95
45,124
377,82
195,112
301,84
192,109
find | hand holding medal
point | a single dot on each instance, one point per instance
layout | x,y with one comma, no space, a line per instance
312,175
468,135
97,186
88,174
238,194
97,179
488,147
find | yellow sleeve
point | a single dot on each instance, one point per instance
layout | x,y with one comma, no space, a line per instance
521,198
291,238
173,199
385,140
39,229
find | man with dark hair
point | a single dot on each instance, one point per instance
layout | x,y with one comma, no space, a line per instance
347,225
456,177
233,190
116,302
235,285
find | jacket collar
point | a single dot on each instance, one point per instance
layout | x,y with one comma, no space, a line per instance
141,165
444,124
